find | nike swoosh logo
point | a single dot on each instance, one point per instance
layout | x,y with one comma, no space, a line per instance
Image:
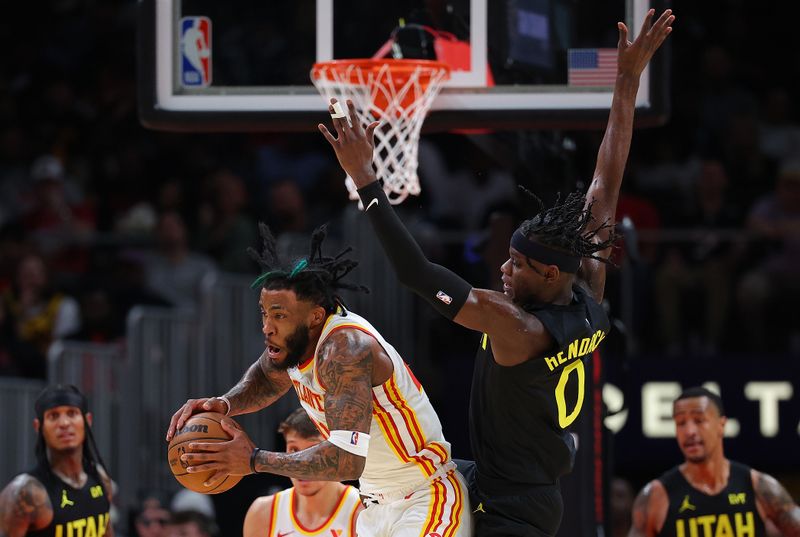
373,202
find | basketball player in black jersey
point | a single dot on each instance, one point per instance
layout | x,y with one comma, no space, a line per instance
710,495
529,379
68,493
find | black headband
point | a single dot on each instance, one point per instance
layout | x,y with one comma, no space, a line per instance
544,254
60,396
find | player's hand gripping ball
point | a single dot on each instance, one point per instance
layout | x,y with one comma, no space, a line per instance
204,427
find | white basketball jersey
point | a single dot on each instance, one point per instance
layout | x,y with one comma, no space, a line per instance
406,442
341,523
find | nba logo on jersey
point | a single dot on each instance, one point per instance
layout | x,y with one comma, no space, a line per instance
354,438
195,52
444,297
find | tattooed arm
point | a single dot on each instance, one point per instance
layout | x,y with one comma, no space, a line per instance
261,385
345,364
24,507
649,510
776,504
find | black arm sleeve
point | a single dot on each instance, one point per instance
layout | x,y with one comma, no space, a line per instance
443,289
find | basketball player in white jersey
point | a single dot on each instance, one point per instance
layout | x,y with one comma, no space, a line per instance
323,508
376,420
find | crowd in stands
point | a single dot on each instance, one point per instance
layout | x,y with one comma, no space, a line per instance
98,214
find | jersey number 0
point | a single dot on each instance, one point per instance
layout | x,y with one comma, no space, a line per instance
564,419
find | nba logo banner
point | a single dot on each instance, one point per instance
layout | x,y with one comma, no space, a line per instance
195,52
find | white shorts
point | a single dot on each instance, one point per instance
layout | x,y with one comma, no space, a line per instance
441,509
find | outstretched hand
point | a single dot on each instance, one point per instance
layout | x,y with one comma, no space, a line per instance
353,145
632,58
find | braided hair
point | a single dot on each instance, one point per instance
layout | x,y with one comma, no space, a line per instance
566,227
315,278
92,460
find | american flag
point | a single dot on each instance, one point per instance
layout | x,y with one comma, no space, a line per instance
592,66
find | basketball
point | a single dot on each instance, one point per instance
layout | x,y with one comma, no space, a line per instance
204,427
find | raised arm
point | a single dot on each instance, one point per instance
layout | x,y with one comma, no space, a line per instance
603,192
24,507
477,309
649,510
260,386
776,504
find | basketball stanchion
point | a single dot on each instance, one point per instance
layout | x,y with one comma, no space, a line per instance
398,93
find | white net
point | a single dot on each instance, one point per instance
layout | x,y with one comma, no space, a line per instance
399,95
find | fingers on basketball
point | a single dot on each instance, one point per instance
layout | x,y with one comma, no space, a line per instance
203,428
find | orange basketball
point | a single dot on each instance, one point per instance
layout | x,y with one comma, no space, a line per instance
203,427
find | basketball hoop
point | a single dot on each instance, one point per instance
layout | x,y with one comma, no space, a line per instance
398,93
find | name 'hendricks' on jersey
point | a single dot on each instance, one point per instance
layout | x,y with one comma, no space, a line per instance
530,444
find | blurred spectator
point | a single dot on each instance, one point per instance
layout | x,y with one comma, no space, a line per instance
14,178
749,170
659,174
173,271
779,136
40,314
645,217
721,99
286,207
464,190
638,222
14,354
188,500
696,272
100,322
152,520
57,221
770,290
130,286
13,246
191,524
226,231
620,501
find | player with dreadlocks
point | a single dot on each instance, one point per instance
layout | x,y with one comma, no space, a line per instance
377,423
529,378
69,491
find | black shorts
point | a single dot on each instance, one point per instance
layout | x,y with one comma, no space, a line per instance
536,512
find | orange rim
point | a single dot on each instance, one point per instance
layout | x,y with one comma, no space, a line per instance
399,68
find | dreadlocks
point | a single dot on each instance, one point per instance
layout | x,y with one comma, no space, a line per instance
315,278
565,227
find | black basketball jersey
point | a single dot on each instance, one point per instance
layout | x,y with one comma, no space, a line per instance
693,513
80,512
519,415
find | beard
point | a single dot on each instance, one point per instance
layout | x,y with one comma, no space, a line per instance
296,345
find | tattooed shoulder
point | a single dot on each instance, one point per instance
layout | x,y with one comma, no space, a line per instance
344,368
778,505
23,503
345,351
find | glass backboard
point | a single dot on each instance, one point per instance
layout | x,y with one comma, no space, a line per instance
244,65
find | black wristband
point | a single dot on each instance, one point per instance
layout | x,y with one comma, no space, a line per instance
253,460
